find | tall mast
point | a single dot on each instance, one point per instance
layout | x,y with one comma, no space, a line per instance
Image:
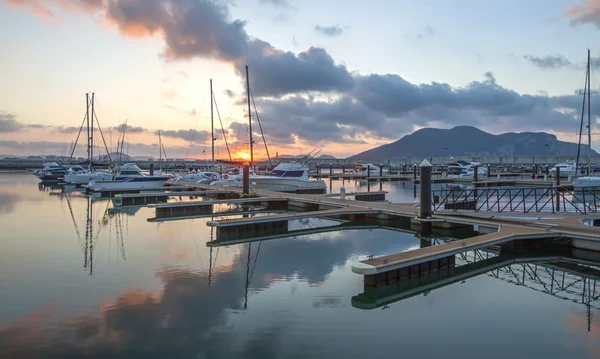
589,90
92,135
159,146
249,119
212,128
87,118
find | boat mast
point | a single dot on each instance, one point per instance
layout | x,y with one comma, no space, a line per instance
249,119
87,118
92,136
589,90
212,128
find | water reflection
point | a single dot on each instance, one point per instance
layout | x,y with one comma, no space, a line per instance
289,297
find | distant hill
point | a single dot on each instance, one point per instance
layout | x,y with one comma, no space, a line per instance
325,157
471,141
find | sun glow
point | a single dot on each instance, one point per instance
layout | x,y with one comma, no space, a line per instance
245,156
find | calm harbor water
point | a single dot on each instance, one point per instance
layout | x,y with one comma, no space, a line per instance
137,288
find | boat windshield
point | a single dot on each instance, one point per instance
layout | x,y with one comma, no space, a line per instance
279,173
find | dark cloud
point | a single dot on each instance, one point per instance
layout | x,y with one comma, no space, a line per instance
342,120
281,72
585,12
230,93
202,28
331,31
9,123
128,128
188,135
549,61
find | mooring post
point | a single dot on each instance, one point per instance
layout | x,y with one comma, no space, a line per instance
556,189
330,170
318,169
475,173
152,169
381,170
368,170
489,174
343,192
425,207
246,179
404,168
343,169
415,172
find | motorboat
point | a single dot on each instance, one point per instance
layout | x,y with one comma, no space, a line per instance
369,169
52,171
201,177
77,175
127,176
567,169
464,169
285,177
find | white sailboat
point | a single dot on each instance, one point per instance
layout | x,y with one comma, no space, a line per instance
128,176
587,181
285,177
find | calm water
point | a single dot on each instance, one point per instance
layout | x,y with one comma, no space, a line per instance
154,289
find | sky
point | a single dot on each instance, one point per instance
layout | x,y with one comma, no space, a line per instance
338,76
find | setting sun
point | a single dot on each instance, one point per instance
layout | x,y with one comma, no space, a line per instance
245,156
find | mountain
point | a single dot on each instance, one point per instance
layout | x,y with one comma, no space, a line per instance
471,141
326,157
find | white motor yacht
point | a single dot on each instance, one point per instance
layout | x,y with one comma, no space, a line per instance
370,169
567,169
202,177
463,169
78,177
128,176
285,177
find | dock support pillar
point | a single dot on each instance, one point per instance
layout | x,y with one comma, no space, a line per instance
368,171
425,208
330,170
343,192
475,173
152,169
318,169
415,172
246,179
343,169
381,170
489,173
556,189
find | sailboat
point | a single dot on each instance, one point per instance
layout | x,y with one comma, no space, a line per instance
84,177
285,177
205,177
586,181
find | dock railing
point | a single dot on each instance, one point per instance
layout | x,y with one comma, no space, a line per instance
526,200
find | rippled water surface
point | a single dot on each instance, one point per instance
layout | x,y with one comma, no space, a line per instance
122,286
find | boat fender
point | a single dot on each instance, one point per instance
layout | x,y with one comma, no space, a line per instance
225,176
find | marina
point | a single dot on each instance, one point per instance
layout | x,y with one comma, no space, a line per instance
288,179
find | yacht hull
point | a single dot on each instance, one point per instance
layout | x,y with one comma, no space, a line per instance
128,183
85,178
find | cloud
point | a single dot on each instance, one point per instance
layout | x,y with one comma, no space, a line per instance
9,123
128,128
191,112
230,93
70,129
202,29
171,94
188,135
585,12
331,31
277,3
426,33
183,74
549,61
